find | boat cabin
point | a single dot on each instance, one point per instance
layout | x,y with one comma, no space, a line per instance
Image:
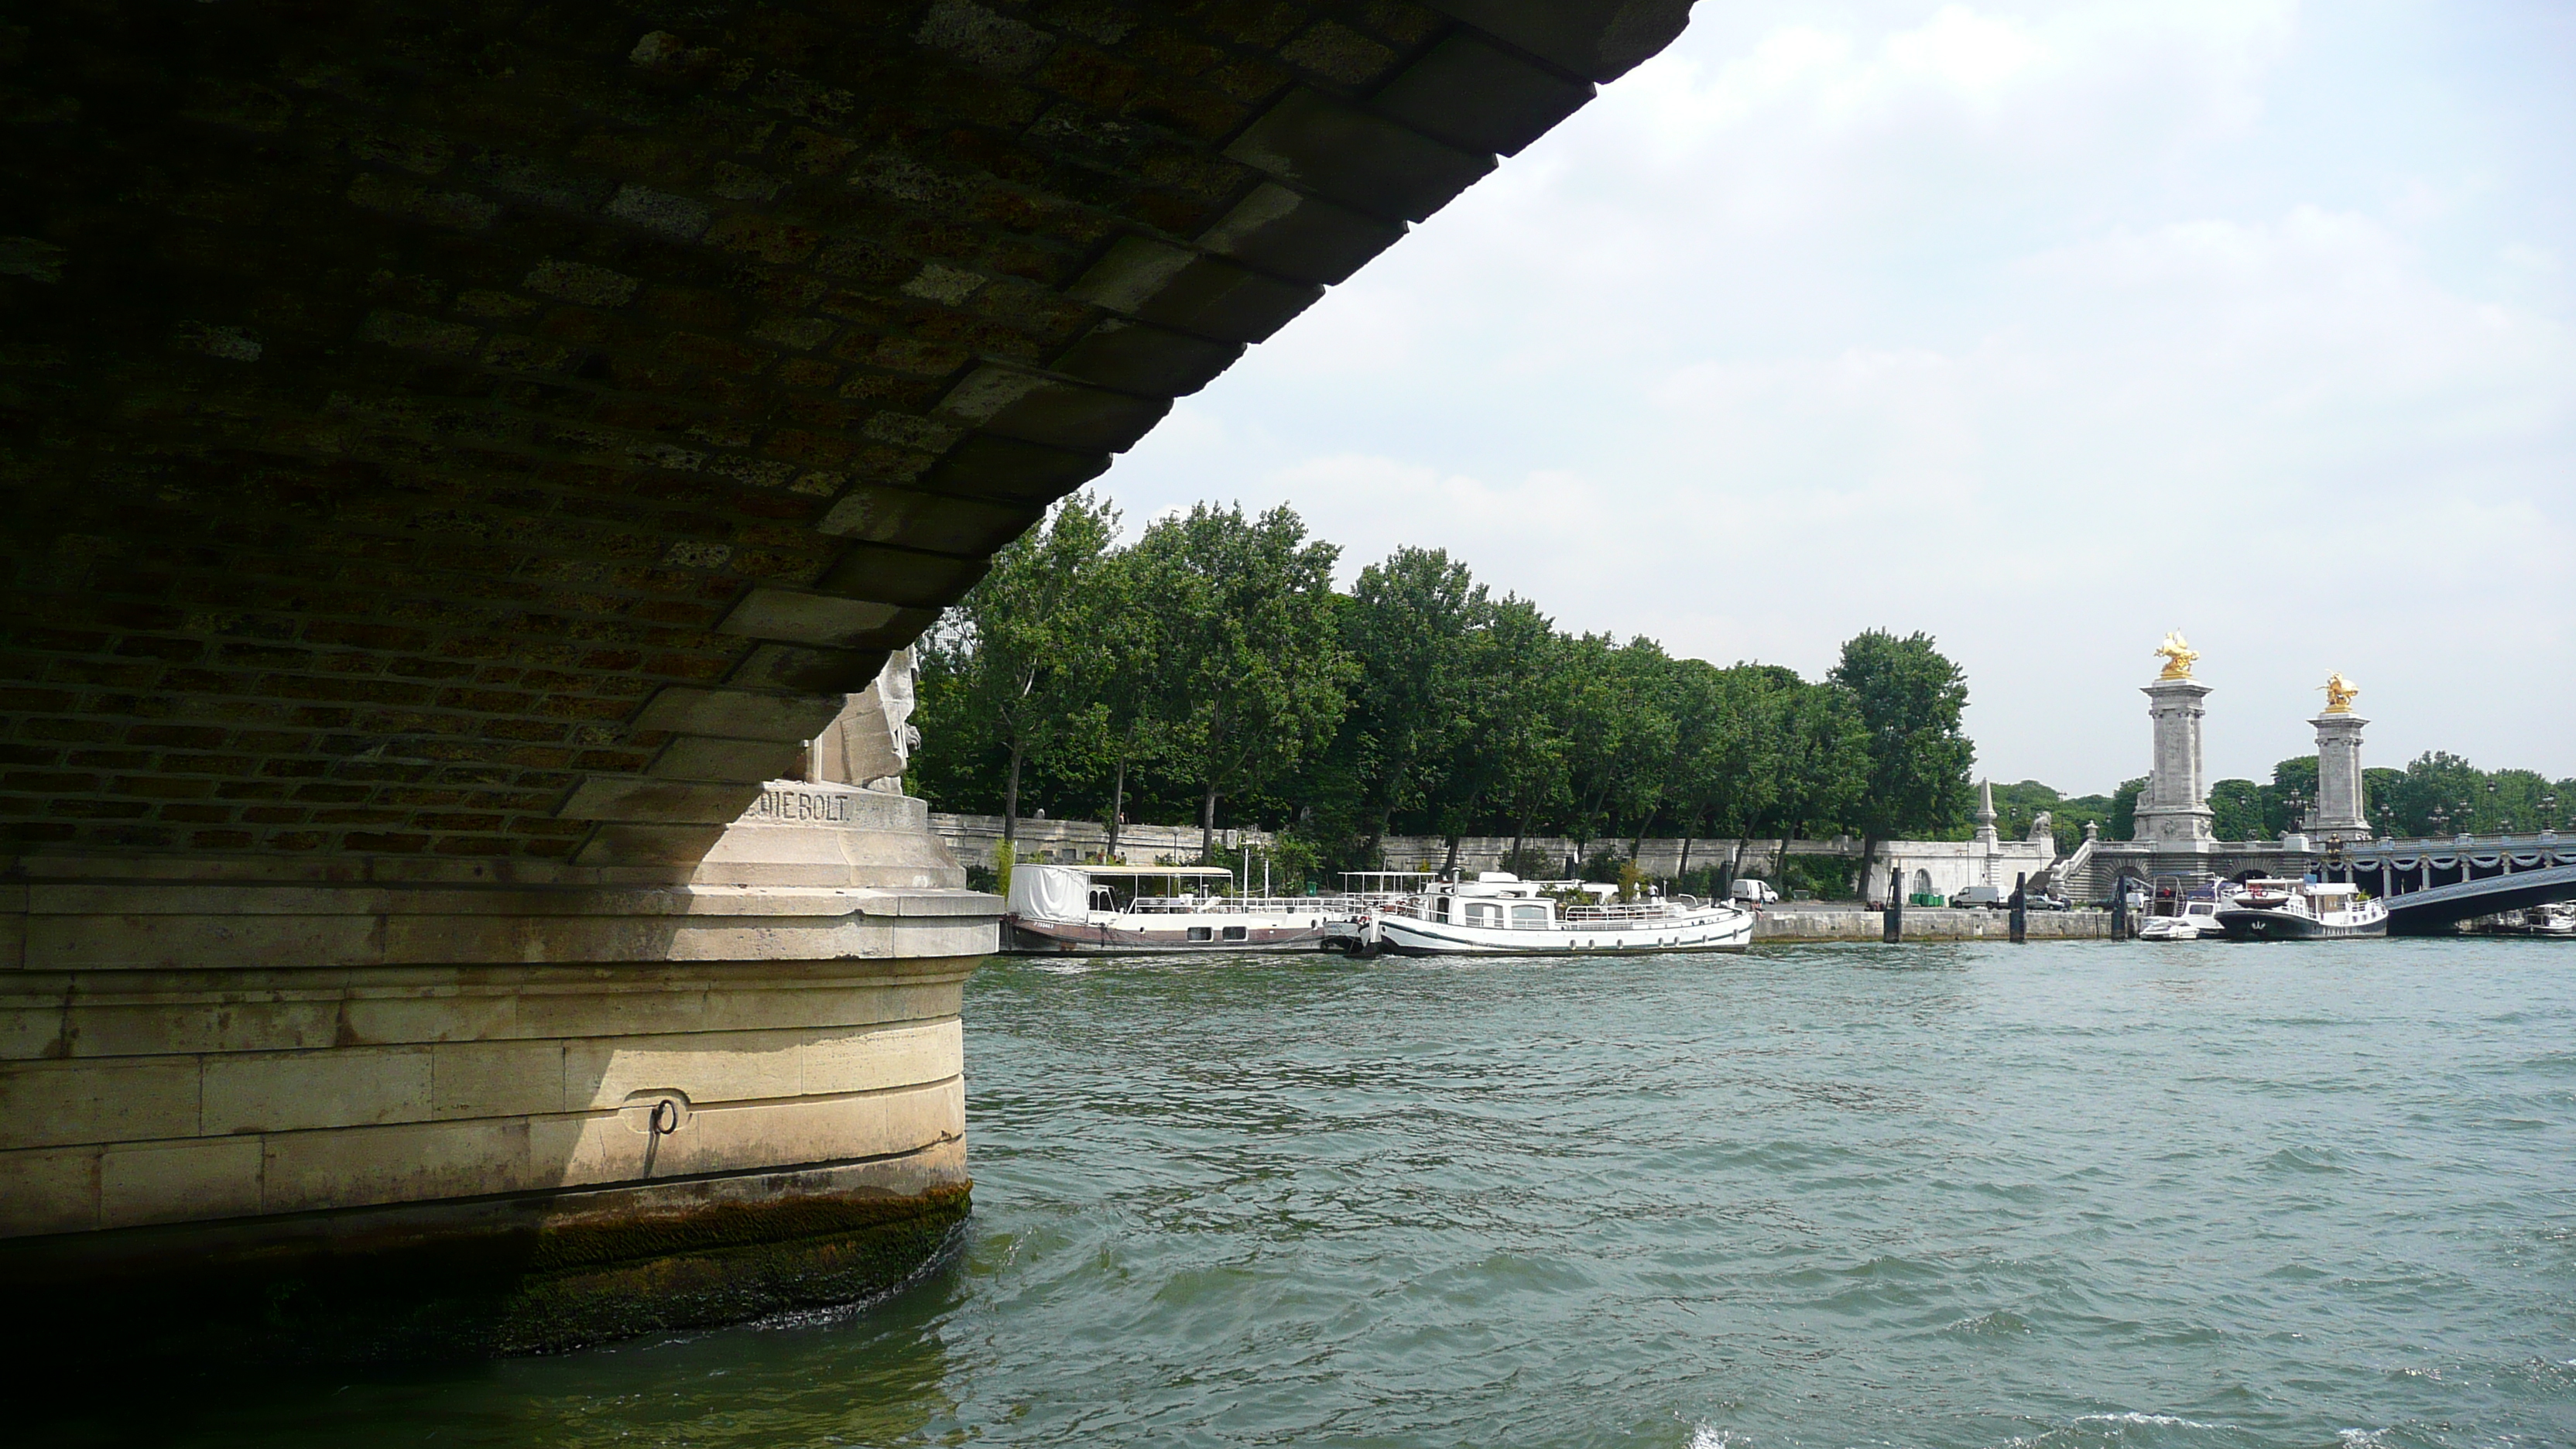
1385,885
1500,900
2326,895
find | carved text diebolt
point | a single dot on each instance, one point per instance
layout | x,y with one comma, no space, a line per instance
827,807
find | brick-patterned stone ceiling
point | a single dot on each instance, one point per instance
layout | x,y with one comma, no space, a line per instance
490,428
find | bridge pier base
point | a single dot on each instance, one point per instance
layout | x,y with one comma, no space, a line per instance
400,1109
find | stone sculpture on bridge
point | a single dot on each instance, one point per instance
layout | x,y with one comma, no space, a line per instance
2178,656
2340,693
870,742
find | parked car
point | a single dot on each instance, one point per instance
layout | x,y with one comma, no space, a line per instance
1986,896
1751,892
2046,903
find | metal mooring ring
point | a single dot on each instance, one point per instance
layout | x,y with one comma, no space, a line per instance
660,1128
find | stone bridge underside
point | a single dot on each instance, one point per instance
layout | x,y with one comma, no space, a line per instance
453,454
498,429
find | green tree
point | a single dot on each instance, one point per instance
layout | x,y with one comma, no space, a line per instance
2291,795
1621,731
1008,652
1911,698
2124,808
1519,739
2513,801
1827,760
2238,810
1652,742
1741,772
1122,651
2378,789
1255,668
1714,732
1410,625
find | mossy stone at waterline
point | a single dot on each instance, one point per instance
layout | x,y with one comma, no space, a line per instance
391,1292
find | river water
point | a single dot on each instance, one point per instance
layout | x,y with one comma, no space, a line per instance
2069,1194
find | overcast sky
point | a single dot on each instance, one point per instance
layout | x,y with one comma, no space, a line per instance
2043,328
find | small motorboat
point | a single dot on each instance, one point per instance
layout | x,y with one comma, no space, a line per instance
2196,919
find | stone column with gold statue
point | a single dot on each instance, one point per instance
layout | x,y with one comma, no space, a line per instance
2173,810
2342,806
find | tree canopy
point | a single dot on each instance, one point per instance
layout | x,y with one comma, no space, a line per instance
2437,794
1208,670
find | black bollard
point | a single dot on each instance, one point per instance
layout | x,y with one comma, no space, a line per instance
2021,908
1892,925
2120,908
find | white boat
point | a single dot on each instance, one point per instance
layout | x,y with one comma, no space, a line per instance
1095,909
1499,914
2555,919
2289,910
2195,920
2179,912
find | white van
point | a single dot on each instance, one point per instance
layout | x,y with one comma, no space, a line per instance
1754,893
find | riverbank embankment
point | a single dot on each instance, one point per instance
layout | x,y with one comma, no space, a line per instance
1924,923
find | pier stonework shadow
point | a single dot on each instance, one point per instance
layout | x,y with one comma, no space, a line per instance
455,459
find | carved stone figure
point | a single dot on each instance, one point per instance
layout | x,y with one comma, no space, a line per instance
870,742
2042,826
2178,656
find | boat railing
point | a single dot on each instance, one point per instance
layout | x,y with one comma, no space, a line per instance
1634,911
1240,905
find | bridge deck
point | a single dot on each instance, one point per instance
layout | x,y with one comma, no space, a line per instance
2428,912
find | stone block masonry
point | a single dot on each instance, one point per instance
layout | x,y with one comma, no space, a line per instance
1927,924
505,431
425,1107
973,839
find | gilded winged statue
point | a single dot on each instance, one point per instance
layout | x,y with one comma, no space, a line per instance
2178,656
2339,693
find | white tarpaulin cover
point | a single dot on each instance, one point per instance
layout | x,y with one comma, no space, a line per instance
1050,893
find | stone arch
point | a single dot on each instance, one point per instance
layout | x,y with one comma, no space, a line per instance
506,434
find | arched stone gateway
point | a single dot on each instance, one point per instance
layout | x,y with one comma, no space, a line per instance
455,458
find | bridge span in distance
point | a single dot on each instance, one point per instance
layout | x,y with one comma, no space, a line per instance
2432,886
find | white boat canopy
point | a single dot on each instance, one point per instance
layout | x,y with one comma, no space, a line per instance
1063,892
1129,872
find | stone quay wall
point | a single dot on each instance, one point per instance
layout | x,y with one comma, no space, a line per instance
973,838
1943,867
1657,855
1927,924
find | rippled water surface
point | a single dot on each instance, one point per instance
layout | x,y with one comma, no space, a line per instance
2069,1194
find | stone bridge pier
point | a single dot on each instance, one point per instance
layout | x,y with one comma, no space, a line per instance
453,458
